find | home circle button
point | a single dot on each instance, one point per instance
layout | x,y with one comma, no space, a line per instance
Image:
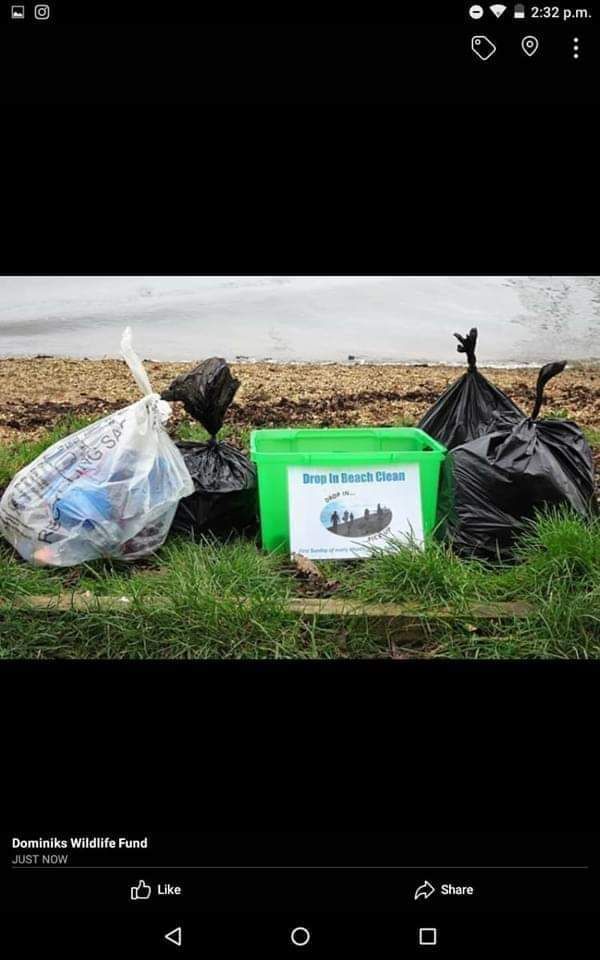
300,936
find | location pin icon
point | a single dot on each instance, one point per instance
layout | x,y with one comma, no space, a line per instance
530,45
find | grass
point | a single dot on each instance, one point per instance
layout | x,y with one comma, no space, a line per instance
199,584
592,435
557,570
187,430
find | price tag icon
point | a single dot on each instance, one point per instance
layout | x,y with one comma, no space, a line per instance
482,47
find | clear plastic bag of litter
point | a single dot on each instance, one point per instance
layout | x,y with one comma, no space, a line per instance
108,490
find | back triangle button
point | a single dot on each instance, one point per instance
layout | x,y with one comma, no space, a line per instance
174,936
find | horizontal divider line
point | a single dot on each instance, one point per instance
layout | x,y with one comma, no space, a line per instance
140,867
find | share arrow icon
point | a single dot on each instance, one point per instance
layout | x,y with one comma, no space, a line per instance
174,936
425,890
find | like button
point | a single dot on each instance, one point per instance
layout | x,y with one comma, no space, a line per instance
141,892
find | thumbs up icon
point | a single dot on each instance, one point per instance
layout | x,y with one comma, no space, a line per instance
141,892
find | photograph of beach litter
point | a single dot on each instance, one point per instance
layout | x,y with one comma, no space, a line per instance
148,424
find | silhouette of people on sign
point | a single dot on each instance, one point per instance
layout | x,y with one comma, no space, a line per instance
344,523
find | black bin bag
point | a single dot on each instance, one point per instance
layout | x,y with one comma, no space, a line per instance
466,408
520,465
224,501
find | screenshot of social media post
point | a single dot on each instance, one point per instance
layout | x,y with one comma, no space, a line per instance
301,894
299,467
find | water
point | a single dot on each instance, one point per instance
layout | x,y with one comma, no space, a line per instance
387,319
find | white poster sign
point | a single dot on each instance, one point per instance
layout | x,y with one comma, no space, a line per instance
338,513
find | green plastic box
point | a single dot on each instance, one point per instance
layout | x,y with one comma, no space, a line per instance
274,451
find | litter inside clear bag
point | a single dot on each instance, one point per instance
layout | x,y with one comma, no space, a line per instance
108,490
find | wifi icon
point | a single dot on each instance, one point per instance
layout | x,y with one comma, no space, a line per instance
498,9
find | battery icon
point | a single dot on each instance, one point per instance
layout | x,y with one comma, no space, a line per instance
519,11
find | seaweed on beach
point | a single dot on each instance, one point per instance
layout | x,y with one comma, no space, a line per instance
36,394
